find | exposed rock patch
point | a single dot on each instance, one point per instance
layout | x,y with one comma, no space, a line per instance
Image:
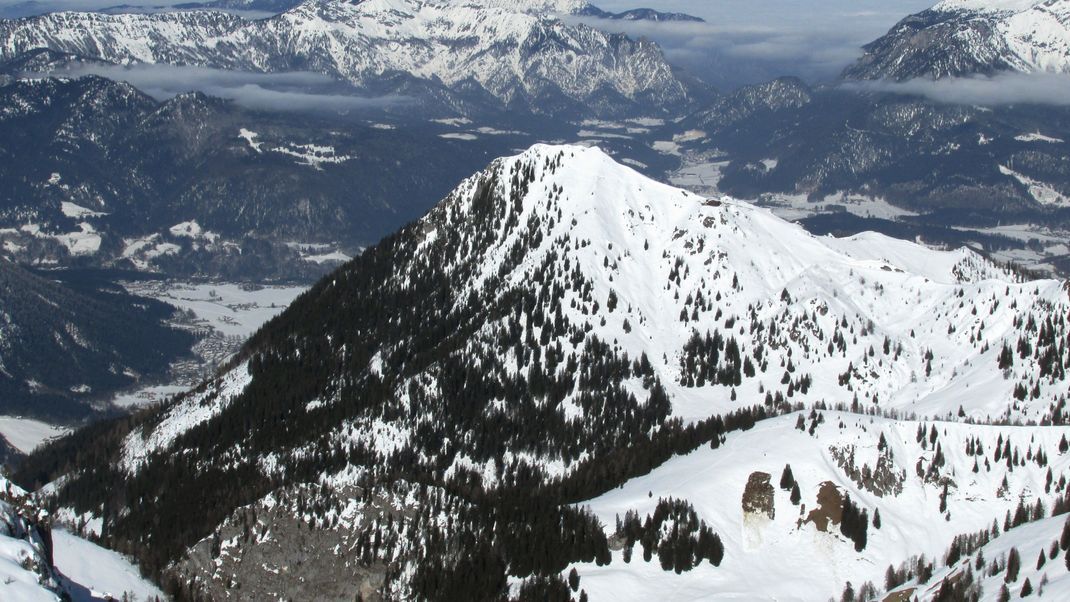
829,510
758,495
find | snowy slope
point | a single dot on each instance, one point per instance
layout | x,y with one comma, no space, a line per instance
25,434
559,313
787,558
891,326
25,573
1051,581
965,37
82,571
642,232
91,572
194,408
516,52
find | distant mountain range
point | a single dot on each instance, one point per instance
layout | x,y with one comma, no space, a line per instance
97,173
971,168
546,376
565,7
942,172
519,56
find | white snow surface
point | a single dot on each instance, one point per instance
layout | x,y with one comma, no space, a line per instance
227,307
95,573
786,560
1034,34
24,574
26,433
83,570
77,211
1037,137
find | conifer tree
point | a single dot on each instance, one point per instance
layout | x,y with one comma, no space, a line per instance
1014,563
1027,588
786,478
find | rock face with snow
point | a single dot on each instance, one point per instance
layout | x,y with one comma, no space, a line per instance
555,329
520,56
967,37
26,571
635,14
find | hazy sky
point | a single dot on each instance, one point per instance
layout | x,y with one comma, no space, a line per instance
745,41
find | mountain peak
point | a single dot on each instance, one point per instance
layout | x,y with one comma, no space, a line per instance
557,308
969,37
988,6
627,231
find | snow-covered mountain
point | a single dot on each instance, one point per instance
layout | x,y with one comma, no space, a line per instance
967,37
560,333
520,55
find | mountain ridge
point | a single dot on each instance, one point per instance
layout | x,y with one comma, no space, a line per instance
527,60
555,327
958,38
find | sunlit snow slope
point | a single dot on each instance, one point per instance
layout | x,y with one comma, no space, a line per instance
556,325
784,555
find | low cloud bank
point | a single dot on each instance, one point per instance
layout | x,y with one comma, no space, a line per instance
291,91
744,42
996,90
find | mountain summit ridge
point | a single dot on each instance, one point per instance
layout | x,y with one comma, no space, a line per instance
958,38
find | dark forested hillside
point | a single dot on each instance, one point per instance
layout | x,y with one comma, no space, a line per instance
952,165
95,172
62,347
